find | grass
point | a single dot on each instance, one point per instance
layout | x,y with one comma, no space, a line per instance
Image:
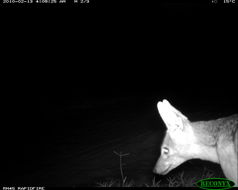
178,180
123,182
154,183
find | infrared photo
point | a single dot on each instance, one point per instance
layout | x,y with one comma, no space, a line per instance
121,95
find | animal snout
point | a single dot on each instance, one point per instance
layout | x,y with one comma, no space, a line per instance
155,170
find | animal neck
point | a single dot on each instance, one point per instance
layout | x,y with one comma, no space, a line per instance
205,145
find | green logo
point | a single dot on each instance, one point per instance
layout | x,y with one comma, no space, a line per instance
215,183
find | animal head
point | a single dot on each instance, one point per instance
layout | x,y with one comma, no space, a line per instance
178,142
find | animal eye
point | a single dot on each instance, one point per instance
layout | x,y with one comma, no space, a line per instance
165,150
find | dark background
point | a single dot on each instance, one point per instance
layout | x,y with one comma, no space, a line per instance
77,76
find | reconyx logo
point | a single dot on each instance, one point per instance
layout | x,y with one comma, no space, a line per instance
215,183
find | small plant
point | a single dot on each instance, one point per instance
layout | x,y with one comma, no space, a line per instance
124,183
207,173
186,182
154,183
115,183
173,181
110,183
181,181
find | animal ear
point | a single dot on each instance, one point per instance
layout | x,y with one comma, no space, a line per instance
173,119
